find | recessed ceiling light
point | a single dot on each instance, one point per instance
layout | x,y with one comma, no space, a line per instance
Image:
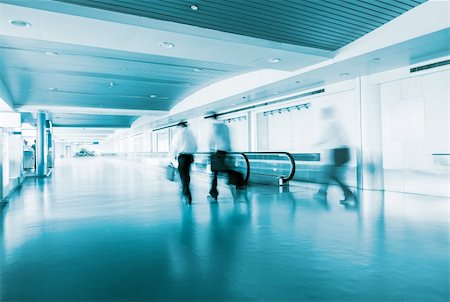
194,7
274,60
167,45
197,70
53,89
112,84
153,96
51,53
344,74
20,23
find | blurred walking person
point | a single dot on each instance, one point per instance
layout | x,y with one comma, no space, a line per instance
219,145
336,141
183,147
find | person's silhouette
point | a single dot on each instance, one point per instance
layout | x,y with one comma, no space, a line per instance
335,138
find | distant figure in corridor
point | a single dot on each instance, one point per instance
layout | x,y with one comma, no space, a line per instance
26,147
219,145
182,149
335,140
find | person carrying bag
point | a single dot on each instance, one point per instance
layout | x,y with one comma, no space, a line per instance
183,147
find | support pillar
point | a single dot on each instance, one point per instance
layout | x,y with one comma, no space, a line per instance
1,165
50,147
40,144
371,151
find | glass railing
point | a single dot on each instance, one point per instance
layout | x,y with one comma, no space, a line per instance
258,167
236,161
271,165
137,155
308,167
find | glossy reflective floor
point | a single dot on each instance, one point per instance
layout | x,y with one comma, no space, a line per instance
105,230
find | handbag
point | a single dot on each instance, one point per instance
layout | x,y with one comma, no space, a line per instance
170,172
341,156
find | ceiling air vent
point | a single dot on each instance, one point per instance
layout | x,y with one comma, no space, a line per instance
429,66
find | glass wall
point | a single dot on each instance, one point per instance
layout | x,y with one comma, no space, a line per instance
238,127
5,156
15,154
162,141
11,160
416,133
299,127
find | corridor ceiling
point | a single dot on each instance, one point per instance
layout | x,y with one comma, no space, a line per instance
90,63
323,24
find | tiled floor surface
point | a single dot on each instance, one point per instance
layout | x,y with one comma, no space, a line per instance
105,230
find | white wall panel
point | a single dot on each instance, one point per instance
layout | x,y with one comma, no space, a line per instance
415,126
239,134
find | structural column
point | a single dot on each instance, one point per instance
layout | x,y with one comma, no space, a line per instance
50,147
40,144
371,155
1,165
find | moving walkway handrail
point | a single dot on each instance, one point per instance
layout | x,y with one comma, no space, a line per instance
246,159
287,154
163,154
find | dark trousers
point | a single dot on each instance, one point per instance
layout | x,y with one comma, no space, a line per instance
184,169
340,156
217,166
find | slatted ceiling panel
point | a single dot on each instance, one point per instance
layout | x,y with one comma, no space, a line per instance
167,67
68,81
283,23
308,18
401,5
82,76
83,85
377,10
409,2
394,9
90,120
370,12
233,23
117,65
89,117
355,16
112,58
325,24
94,101
238,18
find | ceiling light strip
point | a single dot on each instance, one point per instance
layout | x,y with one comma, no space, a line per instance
269,103
287,109
165,127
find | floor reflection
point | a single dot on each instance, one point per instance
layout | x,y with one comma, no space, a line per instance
100,230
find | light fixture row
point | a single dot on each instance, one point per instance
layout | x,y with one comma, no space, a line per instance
235,119
287,109
113,84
